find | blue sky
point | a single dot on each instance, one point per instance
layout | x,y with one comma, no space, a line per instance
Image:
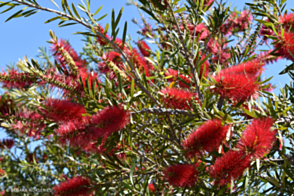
22,37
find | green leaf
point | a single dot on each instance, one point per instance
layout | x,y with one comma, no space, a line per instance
67,24
14,15
52,19
132,170
7,9
98,10
124,35
102,18
180,10
75,11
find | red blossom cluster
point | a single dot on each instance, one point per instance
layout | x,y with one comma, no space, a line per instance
144,48
181,175
178,98
76,186
15,79
60,110
230,166
237,22
6,143
66,55
238,82
258,138
31,125
255,142
205,138
82,132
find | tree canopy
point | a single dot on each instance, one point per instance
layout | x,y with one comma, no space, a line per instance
182,109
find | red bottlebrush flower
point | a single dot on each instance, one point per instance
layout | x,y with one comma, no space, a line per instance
285,46
63,110
69,81
181,175
14,79
6,143
76,186
237,22
174,73
151,187
238,87
230,165
287,20
32,127
66,55
104,123
177,98
258,138
221,57
253,67
207,138
144,48
140,62
213,46
199,29
110,120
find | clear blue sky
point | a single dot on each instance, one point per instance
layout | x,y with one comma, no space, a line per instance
22,37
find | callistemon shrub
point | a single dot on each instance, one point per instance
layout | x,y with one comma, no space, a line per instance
184,107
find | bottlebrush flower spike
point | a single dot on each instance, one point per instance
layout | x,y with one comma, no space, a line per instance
253,67
205,138
15,79
177,98
144,48
181,175
6,143
230,166
66,55
287,20
109,120
63,110
201,30
31,127
285,46
238,87
76,186
258,138
105,122
140,62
